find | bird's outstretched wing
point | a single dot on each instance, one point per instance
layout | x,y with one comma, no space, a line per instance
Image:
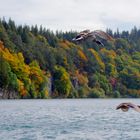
82,35
101,34
94,35
85,32
122,105
135,107
127,106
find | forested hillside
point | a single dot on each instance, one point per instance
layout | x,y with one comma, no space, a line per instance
38,63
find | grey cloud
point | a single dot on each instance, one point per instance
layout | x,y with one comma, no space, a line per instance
73,14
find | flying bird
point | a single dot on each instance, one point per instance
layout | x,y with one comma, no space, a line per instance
95,36
126,106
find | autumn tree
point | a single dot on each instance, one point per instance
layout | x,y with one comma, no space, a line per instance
62,83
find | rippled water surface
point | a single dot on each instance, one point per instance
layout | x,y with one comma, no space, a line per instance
71,119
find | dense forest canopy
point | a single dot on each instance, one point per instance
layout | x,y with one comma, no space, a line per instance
38,63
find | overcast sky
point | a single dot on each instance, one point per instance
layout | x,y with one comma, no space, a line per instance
73,14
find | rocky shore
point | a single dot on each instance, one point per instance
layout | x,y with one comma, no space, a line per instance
6,94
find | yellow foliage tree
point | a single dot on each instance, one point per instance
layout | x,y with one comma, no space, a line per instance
36,74
67,45
111,54
82,78
82,56
29,76
97,58
22,90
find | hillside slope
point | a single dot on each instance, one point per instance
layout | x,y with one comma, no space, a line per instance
37,63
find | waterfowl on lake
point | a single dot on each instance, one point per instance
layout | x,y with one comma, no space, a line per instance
126,106
94,35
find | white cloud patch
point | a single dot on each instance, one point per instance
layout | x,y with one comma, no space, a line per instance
74,14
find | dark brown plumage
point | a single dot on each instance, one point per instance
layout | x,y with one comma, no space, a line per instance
94,35
126,106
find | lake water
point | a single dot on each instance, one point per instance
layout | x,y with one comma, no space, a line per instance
68,119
